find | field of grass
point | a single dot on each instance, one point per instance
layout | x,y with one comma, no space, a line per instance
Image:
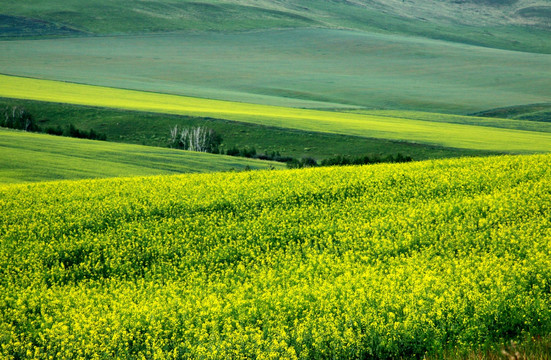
532,112
536,114
314,68
27,157
508,25
382,261
152,129
371,126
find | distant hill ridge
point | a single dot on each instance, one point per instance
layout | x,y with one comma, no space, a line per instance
49,17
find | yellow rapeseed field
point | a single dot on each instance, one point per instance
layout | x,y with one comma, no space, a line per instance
377,261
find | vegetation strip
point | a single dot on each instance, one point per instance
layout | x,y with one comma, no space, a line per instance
143,128
451,135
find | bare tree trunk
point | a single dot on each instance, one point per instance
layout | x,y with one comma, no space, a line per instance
194,139
174,136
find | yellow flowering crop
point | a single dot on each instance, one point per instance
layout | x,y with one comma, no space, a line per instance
379,261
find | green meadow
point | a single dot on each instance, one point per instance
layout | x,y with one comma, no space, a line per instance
531,118
465,136
505,24
152,129
27,157
312,68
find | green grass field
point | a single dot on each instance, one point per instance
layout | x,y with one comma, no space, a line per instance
372,126
531,112
314,68
27,157
152,129
533,118
396,261
502,24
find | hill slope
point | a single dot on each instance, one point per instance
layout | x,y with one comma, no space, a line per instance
511,24
531,112
30,157
143,128
314,68
473,135
358,262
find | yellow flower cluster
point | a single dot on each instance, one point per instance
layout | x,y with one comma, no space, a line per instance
375,261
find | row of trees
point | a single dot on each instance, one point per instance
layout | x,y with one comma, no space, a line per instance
72,131
17,117
364,160
207,140
345,160
199,138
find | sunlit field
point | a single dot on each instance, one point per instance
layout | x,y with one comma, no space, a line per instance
27,157
305,68
381,261
430,132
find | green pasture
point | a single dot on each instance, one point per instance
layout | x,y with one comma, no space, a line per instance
372,126
26,157
531,112
491,118
153,128
508,25
313,68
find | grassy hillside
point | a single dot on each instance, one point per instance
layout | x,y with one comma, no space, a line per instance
517,25
465,136
314,68
532,112
32,157
382,261
509,118
153,129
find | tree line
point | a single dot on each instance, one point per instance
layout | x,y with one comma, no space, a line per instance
203,139
17,117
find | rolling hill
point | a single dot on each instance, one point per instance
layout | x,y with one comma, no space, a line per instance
509,24
530,112
28,157
435,259
145,128
443,56
433,131
313,68
409,261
